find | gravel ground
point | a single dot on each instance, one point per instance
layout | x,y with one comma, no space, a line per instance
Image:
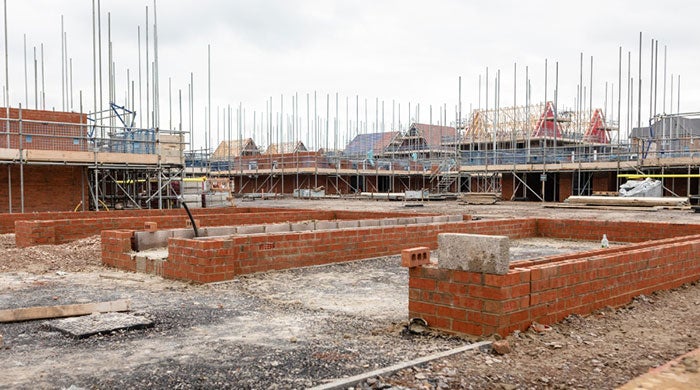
300,328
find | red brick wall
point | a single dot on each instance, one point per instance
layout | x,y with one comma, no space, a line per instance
593,230
46,188
7,220
507,186
206,261
30,232
41,130
604,181
565,186
547,290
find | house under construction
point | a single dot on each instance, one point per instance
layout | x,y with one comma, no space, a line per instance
528,152
64,161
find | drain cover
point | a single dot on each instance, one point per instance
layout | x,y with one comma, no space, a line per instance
86,326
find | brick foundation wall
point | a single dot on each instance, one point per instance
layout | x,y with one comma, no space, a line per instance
7,220
593,230
205,261
547,290
30,233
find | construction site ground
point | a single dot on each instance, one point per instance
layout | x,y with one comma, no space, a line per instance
306,327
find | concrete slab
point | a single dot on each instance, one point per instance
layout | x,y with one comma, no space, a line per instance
455,218
86,326
474,253
440,219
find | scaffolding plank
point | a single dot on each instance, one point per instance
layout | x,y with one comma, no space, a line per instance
41,312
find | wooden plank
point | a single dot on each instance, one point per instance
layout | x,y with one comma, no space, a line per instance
629,201
42,312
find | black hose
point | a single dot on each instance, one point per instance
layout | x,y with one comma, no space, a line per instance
194,225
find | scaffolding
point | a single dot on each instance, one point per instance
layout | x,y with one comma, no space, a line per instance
122,166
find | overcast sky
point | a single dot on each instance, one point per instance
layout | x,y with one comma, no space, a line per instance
396,51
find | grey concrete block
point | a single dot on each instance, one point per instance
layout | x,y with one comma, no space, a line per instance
370,222
440,219
474,253
278,228
424,219
183,233
148,240
455,218
326,225
218,231
250,229
405,221
302,226
348,224
388,222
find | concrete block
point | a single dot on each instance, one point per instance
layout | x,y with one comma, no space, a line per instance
278,228
348,224
474,253
405,221
455,218
370,222
326,225
424,219
440,219
217,231
415,257
250,229
302,226
149,240
182,233
388,222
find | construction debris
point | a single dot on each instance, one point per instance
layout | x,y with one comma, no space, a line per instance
43,312
479,198
648,188
87,326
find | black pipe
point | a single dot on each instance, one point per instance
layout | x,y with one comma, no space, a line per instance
194,225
